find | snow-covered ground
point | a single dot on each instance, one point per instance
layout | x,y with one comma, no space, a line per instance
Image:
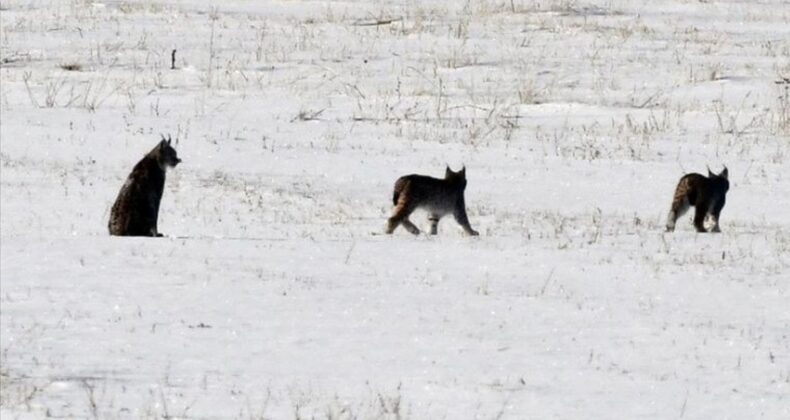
274,294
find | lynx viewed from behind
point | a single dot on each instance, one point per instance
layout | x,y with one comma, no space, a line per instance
136,210
437,196
706,194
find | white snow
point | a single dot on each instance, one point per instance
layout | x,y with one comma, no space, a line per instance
275,294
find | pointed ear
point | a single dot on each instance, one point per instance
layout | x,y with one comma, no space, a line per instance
724,173
448,172
463,171
710,174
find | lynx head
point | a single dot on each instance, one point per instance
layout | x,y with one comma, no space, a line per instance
720,180
456,177
166,154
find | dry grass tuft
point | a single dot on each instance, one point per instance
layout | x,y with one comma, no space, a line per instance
71,66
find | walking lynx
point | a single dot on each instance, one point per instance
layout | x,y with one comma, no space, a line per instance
706,194
136,210
437,196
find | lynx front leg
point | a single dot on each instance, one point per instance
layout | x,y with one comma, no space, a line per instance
154,230
434,219
699,219
715,211
463,220
152,213
715,228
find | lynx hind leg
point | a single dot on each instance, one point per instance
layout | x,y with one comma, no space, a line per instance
699,219
680,204
679,207
400,216
411,227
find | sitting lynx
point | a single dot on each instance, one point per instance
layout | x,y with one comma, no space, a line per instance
705,194
438,196
136,209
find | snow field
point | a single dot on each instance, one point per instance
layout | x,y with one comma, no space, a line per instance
274,294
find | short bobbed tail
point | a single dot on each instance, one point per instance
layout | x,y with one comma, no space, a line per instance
400,184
